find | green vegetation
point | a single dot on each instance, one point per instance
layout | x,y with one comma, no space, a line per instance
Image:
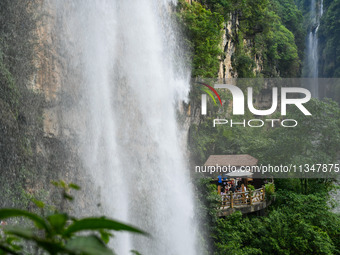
242,62
292,19
203,29
270,32
295,224
58,232
208,201
279,50
269,189
274,43
329,36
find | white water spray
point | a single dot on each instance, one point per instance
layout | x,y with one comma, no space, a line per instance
120,57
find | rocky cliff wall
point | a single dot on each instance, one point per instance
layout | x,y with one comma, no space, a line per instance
62,124
229,47
37,145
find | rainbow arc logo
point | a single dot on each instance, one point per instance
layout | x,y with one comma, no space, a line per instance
208,89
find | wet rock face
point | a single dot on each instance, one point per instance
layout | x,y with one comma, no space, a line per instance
33,150
8,140
55,148
229,47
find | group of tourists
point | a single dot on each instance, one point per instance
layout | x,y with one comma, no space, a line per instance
231,188
231,185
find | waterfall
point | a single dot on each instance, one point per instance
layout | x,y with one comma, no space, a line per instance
311,66
125,72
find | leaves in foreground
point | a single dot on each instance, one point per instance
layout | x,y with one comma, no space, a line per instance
59,233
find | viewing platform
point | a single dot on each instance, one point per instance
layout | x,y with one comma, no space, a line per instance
246,202
240,189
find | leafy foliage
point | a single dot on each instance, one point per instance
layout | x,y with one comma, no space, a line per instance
203,29
273,31
292,19
329,34
299,224
276,45
269,189
208,201
59,233
223,7
300,220
242,62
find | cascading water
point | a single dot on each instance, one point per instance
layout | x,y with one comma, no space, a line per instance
120,60
311,66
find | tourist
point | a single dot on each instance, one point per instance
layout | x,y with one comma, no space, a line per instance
226,188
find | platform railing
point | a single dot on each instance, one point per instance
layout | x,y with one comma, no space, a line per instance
248,197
